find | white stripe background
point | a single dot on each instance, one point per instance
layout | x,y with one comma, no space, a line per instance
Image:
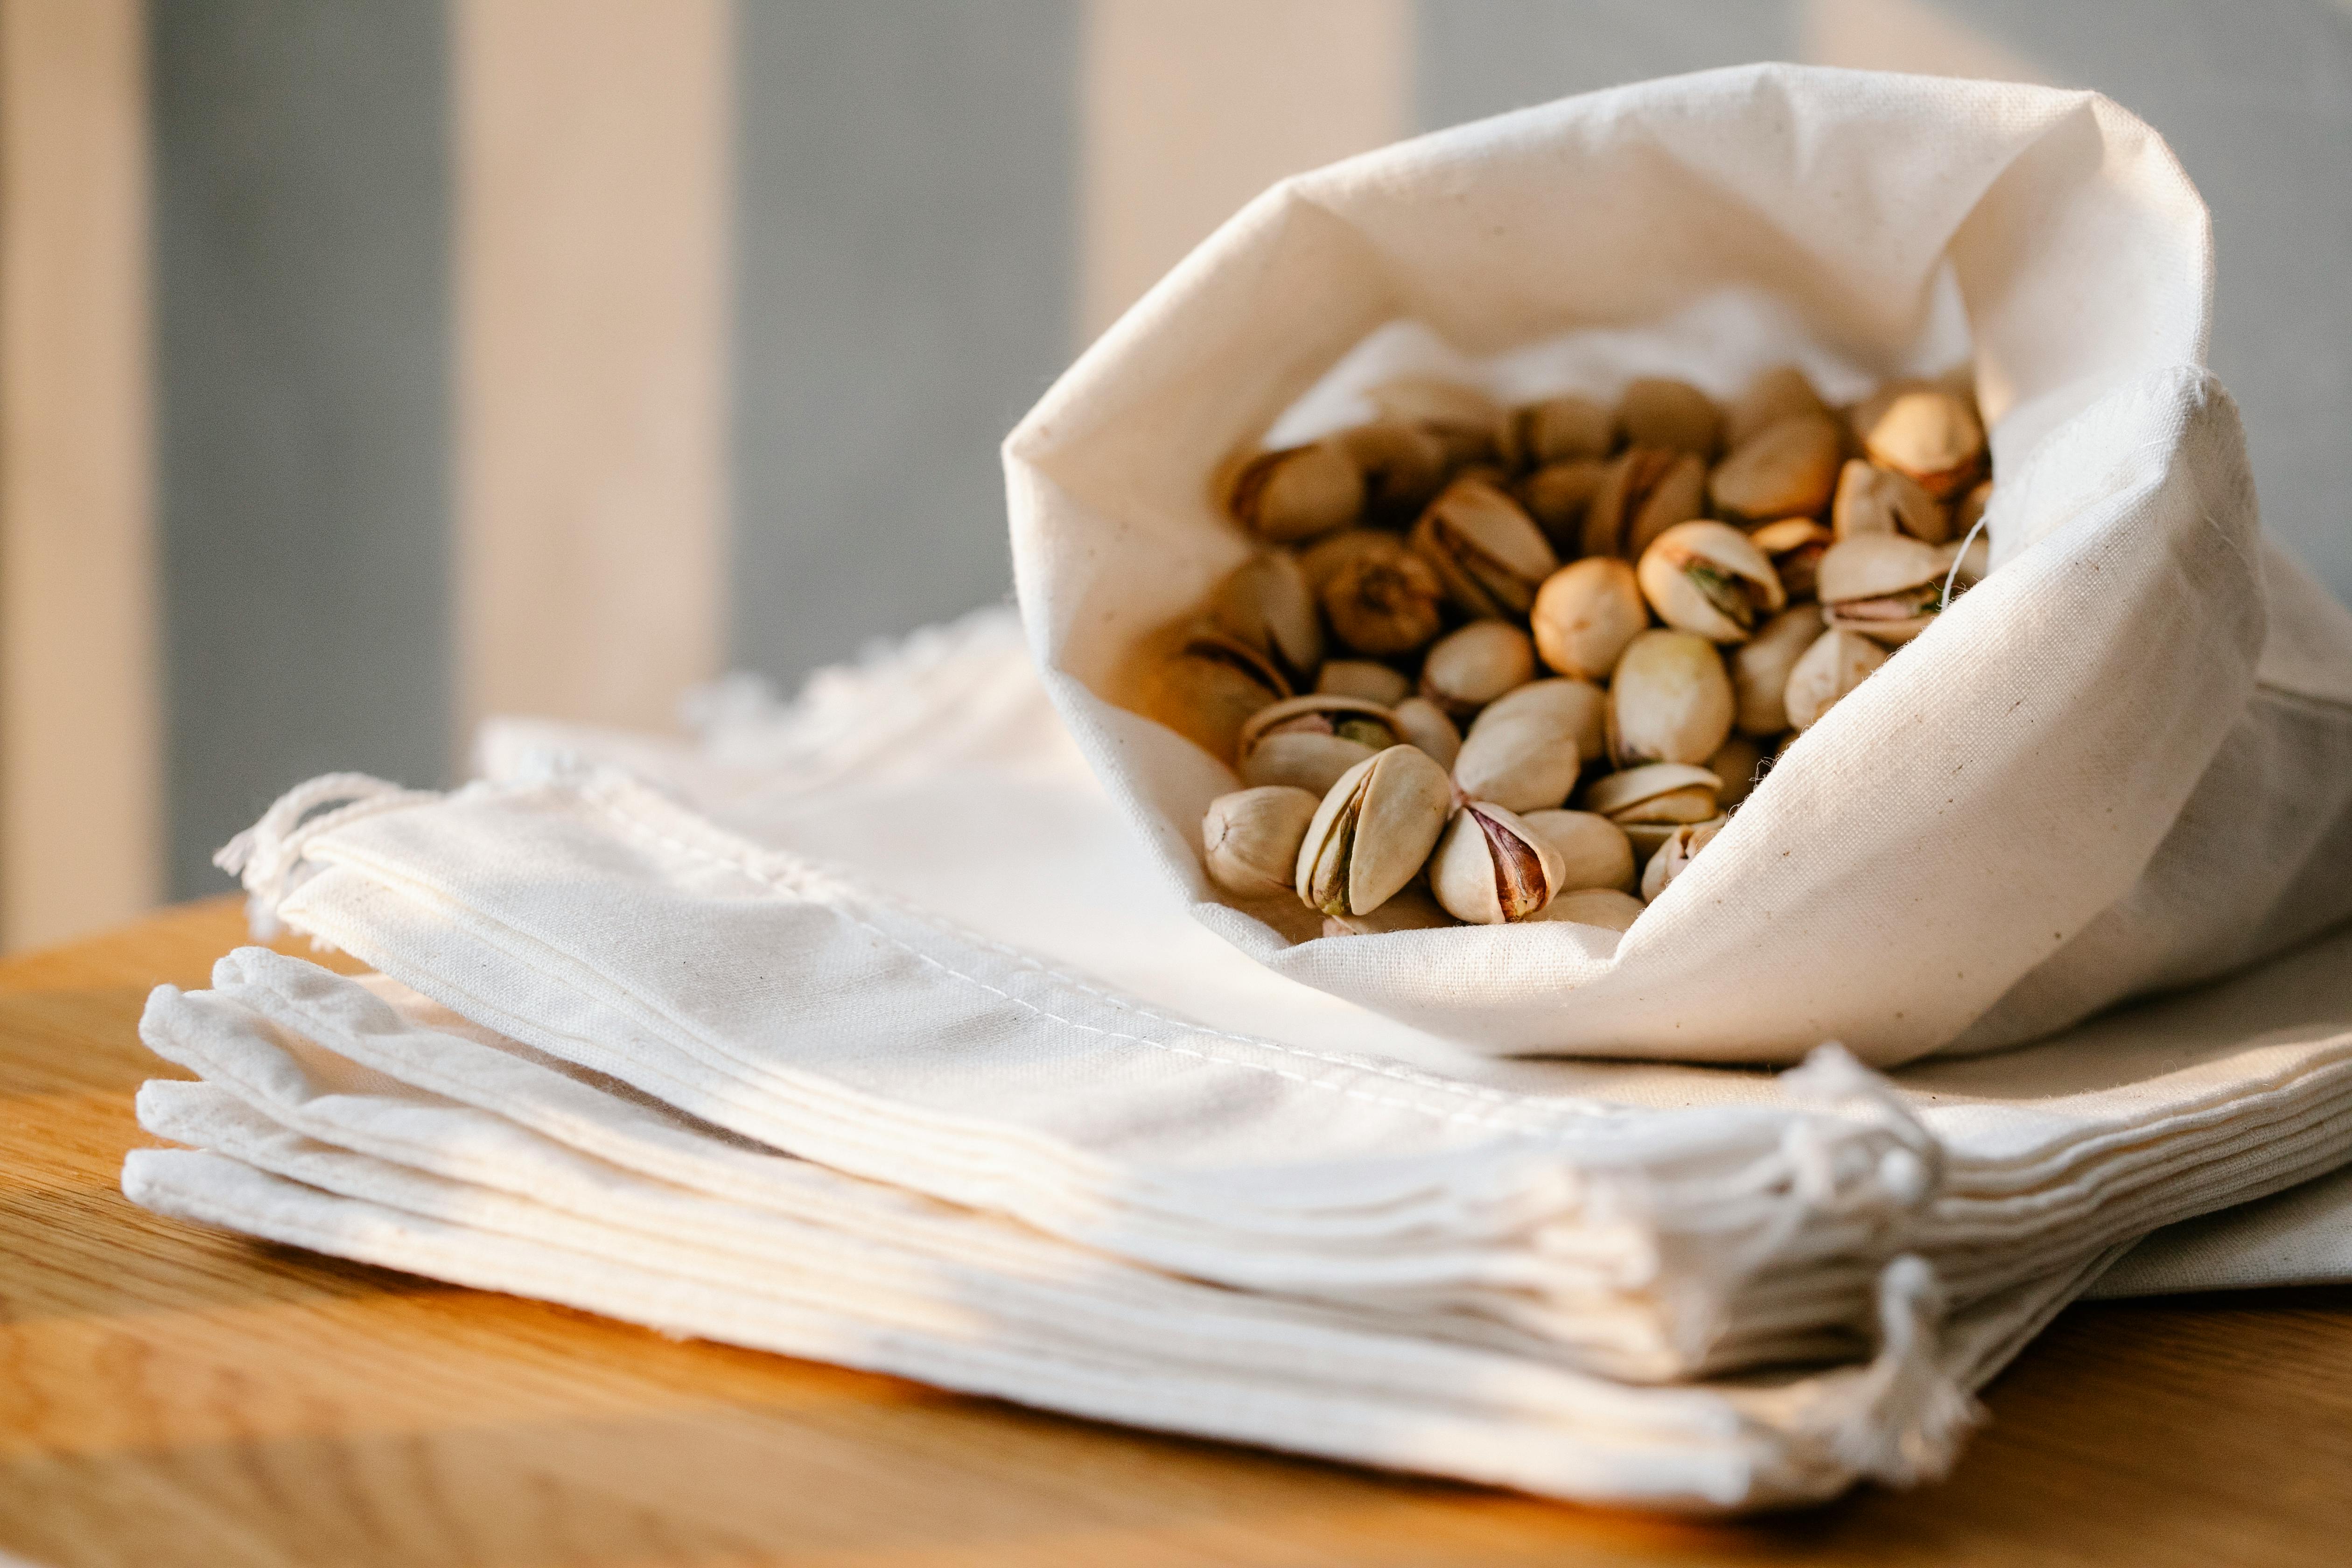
368,366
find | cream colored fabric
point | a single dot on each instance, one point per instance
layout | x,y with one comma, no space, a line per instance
2090,779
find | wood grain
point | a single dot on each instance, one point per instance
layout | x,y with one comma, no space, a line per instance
170,1396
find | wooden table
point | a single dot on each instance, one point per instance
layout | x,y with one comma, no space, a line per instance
173,1395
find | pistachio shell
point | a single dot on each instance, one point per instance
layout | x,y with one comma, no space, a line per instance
1593,851
1413,908
1647,491
1372,832
1837,663
1322,559
1402,464
1975,561
1647,837
1423,724
1251,839
1383,599
1308,741
1210,688
1658,412
1561,428
1788,468
1266,601
1298,492
1739,764
1466,419
1528,763
1887,585
1872,499
1709,578
1970,507
1584,616
1577,706
1558,495
1490,868
1669,701
1489,554
1774,395
1472,666
1675,855
1603,907
1760,666
1656,791
1363,677
1927,432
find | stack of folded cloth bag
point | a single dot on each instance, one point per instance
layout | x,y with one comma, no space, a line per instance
895,1026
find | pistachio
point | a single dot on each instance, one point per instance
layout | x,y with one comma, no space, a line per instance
1251,839
1324,559
1975,561
1603,907
1491,867
1585,614
1675,855
1647,491
1739,764
1788,468
1473,665
1383,599
1420,722
1465,420
1760,666
1872,499
1593,851
1372,832
1266,601
1970,507
1662,412
1558,495
1561,428
1795,546
1298,492
1210,686
1669,701
1926,432
1774,395
1489,554
1308,741
1657,795
1887,585
1363,677
1836,663
1409,910
1402,464
1709,578
1527,762
1578,707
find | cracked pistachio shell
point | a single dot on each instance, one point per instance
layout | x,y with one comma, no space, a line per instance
1363,677
1658,412
1836,663
1420,722
1739,764
1413,908
1490,555
1593,851
1669,701
1777,395
1646,490
1584,616
1526,763
1675,855
1760,666
1472,666
1604,907
1561,428
1558,496
1885,585
1210,688
1872,499
1709,578
1577,706
1266,602
1788,468
1795,546
1250,839
1404,466
1372,832
1322,559
1383,600
1308,741
1657,792
1467,421
1295,493
1924,432
1491,869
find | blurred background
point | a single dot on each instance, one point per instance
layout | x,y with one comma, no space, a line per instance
369,366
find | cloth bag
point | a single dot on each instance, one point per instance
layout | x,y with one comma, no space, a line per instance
2122,764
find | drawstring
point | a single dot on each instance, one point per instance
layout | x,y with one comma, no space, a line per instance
1908,1174
268,855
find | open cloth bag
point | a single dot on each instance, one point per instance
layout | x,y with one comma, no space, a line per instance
2121,763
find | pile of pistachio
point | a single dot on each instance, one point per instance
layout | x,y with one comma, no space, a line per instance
1497,665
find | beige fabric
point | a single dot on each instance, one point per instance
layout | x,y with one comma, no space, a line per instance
2072,789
